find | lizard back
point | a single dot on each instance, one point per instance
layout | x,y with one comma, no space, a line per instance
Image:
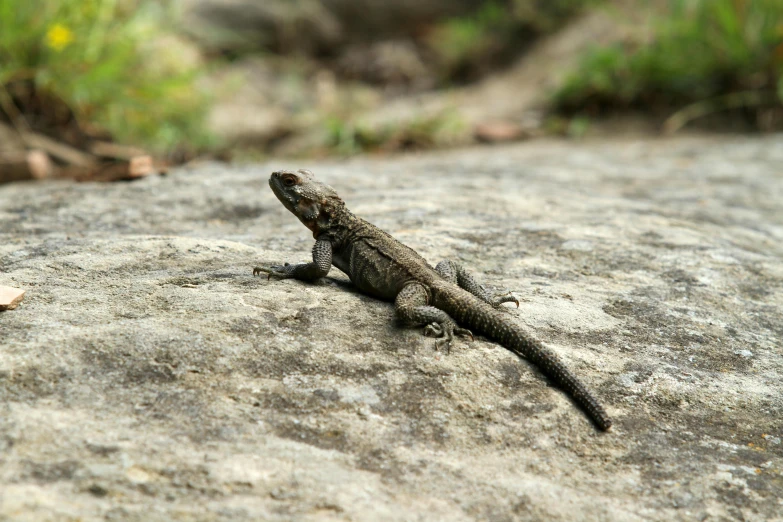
376,262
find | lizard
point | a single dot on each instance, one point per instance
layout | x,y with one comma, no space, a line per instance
446,299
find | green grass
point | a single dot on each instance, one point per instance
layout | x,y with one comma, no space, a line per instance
706,56
103,60
460,41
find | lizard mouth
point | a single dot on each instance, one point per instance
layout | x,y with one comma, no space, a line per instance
286,197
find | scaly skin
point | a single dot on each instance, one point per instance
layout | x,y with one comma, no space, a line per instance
441,298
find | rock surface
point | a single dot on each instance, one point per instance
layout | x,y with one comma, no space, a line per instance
148,376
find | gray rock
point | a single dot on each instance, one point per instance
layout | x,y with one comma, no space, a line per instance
148,376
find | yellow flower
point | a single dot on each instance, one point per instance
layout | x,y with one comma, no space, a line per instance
58,37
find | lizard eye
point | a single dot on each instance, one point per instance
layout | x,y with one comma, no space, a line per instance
289,181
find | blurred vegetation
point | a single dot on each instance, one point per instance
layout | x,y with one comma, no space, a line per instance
467,47
79,70
104,67
456,50
705,55
347,138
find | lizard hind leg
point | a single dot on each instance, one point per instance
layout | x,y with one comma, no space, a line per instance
458,275
412,307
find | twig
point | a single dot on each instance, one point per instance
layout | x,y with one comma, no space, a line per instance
11,110
59,150
23,165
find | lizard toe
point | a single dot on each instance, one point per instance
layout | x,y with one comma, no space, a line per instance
464,332
279,271
433,330
448,329
444,341
445,333
499,299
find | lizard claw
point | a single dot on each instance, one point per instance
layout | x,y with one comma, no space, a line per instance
280,271
445,333
441,342
465,332
433,330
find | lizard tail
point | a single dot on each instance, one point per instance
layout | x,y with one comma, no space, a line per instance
553,367
482,318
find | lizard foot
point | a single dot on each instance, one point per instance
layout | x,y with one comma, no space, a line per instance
445,333
499,299
279,271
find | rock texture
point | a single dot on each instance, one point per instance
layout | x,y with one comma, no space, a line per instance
148,376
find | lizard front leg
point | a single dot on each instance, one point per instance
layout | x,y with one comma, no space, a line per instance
457,274
322,262
411,305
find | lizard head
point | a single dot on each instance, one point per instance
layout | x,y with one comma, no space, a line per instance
313,202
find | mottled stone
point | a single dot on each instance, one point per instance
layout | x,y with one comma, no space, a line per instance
149,376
